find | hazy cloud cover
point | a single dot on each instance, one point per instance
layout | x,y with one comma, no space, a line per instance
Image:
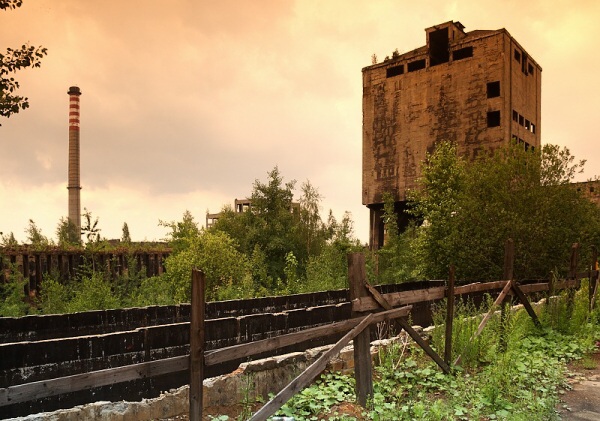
185,103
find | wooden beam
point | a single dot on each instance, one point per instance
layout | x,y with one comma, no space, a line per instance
363,371
417,338
254,348
366,303
523,299
486,318
449,317
45,388
479,287
196,345
309,374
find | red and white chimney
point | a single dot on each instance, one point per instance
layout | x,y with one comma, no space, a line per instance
74,185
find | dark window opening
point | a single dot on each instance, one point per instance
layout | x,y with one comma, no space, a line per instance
591,190
462,53
526,146
416,65
517,56
493,89
521,120
530,69
527,125
524,64
438,47
515,116
532,128
532,148
493,118
394,71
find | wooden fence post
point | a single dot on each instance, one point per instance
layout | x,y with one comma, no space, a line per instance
572,275
362,343
508,275
449,316
593,277
196,345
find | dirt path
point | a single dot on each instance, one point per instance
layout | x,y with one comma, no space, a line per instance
583,401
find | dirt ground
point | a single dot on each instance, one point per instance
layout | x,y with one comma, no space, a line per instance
582,402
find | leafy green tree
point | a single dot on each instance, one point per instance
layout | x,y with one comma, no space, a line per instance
67,234
8,240
125,238
13,60
181,232
90,229
311,227
35,237
216,254
470,209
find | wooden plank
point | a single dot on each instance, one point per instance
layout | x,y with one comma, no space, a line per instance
45,388
529,288
196,345
254,348
366,303
523,298
309,374
479,287
417,338
449,317
509,261
378,297
363,371
487,317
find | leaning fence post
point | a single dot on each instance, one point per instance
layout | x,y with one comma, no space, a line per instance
196,345
572,275
449,316
508,275
362,343
593,277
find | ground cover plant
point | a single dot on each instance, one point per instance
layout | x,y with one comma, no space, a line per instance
522,381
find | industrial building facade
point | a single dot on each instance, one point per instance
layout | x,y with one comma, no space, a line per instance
479,89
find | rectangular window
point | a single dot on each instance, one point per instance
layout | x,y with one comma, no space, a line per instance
521,120
530,69
527,125
493,89
532,128
462,53
526,146
591,190
416,65
524,63
515,116
438,47
493,118
518,55
394,71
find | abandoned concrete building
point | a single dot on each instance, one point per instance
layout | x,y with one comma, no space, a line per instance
479,89
240,206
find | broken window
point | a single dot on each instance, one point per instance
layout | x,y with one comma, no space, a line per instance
527,125
416,65
517,55
524,64
526,146
438,47
532,128
515,116
493,89
394,71
530,68
493,118
521,120
462,53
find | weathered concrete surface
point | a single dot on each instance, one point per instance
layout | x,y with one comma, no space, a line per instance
583,401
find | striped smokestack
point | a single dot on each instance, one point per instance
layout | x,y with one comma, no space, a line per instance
74,186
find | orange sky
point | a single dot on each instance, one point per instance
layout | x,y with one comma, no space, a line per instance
186,103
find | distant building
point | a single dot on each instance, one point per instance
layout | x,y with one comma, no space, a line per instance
479,89
240,206
590,189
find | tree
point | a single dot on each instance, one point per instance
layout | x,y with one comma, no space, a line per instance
181,232
67,234
90,229
35,237
8,240
470,209
126,238
12,61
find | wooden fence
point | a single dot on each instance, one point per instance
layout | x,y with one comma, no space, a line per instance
69,371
